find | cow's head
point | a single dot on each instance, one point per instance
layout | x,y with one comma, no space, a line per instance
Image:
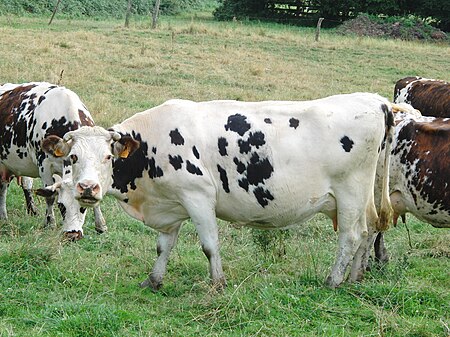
90,151
73,215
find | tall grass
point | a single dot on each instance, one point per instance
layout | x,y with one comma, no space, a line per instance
52,288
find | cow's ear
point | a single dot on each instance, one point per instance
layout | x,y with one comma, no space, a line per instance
125,146
55,146
50,190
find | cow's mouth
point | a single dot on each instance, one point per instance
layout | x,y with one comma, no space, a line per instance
88,201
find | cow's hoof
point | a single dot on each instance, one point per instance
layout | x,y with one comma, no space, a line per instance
330,283
73,235
219,285
152,284
102,229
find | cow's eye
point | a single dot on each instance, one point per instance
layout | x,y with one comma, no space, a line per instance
73,158
108,157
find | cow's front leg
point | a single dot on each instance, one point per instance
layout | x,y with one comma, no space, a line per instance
100,223
3,191
49,214
166,241
27,186
209,238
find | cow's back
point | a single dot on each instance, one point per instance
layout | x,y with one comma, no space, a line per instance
431,97
28,113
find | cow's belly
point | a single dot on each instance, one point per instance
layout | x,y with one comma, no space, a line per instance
424,211
21,166
281,213
163,213
156,212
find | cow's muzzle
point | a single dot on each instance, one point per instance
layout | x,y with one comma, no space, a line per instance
88,193
73,235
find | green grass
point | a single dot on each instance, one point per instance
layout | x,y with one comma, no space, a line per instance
89,288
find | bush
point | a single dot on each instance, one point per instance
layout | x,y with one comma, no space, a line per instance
405,28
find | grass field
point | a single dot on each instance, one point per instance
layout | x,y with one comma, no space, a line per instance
89,288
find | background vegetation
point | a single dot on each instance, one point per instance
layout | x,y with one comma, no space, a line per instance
89,288
101,8
308,11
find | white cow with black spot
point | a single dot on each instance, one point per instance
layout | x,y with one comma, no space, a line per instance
267,165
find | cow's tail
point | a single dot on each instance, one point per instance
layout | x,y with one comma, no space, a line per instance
386,210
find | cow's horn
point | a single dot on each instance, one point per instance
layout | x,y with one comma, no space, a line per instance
115,135
67,136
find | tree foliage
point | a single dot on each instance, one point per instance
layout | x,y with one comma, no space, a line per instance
436,12
97,8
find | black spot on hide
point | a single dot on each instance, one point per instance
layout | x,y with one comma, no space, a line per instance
222,145
176,138
195,152
293,123
223,178
237,123
175,161
191,168
347,143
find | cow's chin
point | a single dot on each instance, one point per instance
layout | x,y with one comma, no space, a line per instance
88,201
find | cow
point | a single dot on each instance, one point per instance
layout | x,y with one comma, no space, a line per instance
30,112
430,97
268,164
408,194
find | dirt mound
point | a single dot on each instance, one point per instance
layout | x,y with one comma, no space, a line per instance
403,28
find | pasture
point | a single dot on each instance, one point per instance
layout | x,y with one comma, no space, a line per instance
89,288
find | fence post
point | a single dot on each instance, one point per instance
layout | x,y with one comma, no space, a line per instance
319,23
54,12
127,15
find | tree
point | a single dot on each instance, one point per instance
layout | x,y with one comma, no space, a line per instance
155,14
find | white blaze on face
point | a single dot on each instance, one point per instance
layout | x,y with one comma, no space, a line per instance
91,157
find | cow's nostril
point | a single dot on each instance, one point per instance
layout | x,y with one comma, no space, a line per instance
95,189
80,188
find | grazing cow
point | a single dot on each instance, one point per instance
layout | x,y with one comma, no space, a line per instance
430,97
28,113
427,139
266,164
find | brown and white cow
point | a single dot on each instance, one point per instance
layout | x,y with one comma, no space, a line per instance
430,97
266,164
420,171
30,112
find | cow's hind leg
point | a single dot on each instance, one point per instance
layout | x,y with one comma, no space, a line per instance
351,232
381,254
100,223
166,241
361,258
3,192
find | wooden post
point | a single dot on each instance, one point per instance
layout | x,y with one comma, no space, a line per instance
127,15
54,12
319,23
155,14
